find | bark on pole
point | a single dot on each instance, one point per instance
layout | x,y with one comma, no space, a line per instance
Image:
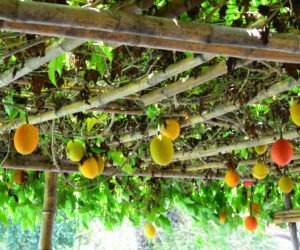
143,41
49,210
292,225
147,26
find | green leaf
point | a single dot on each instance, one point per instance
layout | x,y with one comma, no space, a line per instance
56,65
244,153
164,222
90,123
127,169
152,110
3,218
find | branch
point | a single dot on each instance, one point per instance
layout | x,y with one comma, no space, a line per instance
105,98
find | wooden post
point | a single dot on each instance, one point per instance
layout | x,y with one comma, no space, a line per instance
292,225
49,210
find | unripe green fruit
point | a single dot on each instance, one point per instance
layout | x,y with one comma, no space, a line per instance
75,150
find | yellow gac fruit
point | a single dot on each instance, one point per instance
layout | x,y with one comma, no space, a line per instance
161,150
255,208
285,184
295,112
261,149
171,129
89,168
20,176
222,216
232,178
26,139
101,164
75,150
149,231
260,171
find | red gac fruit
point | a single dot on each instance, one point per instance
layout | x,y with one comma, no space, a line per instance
248,183
282,152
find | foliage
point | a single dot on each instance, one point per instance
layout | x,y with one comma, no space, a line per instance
95,69
16,237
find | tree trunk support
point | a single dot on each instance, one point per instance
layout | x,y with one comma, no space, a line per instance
49,209
292,225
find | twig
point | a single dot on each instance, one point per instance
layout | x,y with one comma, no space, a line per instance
24,47
270,67
7,153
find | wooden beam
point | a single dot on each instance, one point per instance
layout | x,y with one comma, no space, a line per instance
147,26
158,43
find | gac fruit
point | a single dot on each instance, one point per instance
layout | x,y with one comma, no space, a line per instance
75,150
26,139
89,168
171,129
232,178
251,223
161,150
282,152
149,231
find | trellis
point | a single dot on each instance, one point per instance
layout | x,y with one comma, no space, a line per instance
153,32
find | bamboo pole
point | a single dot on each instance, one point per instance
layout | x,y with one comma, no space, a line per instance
218,111
158,43
290,220
292,225
64,45
181,86
148,26
288,212
104,98
49,210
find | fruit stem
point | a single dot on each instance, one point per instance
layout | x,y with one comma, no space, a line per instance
280,133
26,117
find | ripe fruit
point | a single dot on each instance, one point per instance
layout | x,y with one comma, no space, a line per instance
261,149
161,150
100,164
285,184
282,152
255,209
295,112
26,139
20,176
251,223
232,178
260,171
75,150
171,130
89,168
149,231
248,183
222,216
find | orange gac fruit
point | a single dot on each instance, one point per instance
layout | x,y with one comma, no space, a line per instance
222,216
20,176
255,208
251,223
282,152
171,129
89,168
149,231
295,112
26,139
261,149
285,184
232,178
